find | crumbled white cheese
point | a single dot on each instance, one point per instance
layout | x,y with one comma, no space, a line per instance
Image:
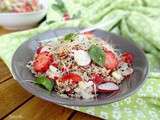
128,71
123,66
53,72
85,85
85,89
117,75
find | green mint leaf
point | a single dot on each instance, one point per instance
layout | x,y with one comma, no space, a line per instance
45,82
97,55
70,37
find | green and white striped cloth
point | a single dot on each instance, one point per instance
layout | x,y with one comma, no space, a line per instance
138,20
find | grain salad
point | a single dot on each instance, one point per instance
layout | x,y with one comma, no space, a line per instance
19,6
80,66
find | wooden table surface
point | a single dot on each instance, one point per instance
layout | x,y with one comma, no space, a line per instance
17,104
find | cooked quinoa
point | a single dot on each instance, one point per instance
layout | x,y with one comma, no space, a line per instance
77,64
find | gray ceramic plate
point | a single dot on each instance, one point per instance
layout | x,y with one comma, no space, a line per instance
25,53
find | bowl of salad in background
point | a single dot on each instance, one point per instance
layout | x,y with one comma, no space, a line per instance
22,14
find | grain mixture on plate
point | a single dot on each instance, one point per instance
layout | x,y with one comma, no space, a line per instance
80,66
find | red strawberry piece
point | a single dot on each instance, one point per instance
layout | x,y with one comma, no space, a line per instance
28,8
75,78
111,61
97,79
127,57
34,3
66,16
107,87
55,64
88,34
56,77
42,62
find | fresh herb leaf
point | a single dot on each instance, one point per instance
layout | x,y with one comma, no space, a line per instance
60,6
60,2
45,82
77,15
50,22
55,7
70,37
97,55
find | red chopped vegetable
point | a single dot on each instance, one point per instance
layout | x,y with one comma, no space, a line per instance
88,34
27,8
111,61
75,78
42,62
97,79
66,16
35,3
55,64
127,57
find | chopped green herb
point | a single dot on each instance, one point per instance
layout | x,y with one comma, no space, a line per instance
45,82
97,55
70,37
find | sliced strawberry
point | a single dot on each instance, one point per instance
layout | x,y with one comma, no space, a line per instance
75,78
88,34
111,61
42,62
28,8
127,57
107,87
97,79
66,16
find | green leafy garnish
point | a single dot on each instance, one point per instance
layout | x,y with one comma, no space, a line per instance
45,82
77,15
50,22
97,55
70,37
59,6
